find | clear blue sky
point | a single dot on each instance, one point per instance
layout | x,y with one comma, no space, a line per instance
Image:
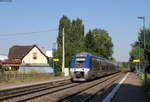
118,17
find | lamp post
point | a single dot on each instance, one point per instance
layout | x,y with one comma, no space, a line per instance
139,43
138,64
145,50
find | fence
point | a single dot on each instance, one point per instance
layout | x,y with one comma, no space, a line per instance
7,76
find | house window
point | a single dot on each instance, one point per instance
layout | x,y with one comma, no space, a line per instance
34,55
23,61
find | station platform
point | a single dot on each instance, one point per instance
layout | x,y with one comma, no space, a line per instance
130,90
29,83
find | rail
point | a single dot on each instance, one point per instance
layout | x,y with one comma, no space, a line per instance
60,91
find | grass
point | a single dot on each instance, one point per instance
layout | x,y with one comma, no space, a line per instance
23,79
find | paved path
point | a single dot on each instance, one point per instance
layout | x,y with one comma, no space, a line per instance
130,91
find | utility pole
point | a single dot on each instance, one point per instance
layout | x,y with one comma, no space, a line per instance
145,50
63,52
53,52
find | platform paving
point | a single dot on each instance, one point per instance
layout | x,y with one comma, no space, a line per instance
131,90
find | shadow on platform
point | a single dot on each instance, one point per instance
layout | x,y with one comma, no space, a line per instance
126,93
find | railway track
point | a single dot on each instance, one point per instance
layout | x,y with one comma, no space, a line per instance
88,93
84,92
63,91
27,92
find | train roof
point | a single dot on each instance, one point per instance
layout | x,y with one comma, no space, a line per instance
82,54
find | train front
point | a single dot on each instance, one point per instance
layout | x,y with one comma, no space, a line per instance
78,67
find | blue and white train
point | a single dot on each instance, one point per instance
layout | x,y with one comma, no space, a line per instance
85,66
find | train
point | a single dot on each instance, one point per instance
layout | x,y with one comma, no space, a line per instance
85,66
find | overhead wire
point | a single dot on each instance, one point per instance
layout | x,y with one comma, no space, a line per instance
2,54
27,33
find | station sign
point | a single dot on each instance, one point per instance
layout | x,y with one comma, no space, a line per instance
137,60
56,60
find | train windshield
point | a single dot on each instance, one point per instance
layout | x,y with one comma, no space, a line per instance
80,62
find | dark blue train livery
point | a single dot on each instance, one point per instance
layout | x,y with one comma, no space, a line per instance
85,66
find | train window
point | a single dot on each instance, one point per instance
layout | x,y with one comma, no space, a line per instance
80,59
80,62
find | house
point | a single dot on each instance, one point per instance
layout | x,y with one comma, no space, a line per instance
27,55
31,58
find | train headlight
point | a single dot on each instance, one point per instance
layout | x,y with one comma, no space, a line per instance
86,69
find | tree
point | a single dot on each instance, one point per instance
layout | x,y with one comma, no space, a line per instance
135,51
89,42
135,47
134,55
99,43
74,35
66,24
141,39
74,44
77,30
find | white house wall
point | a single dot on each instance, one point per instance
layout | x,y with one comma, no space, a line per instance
40,59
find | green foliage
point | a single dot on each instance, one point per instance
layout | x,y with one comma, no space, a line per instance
89,42
125,65
34,76
66,24
136,53
74,34
2,69
138,48
97,42
50,62
141,39
57,65
10,60
77,30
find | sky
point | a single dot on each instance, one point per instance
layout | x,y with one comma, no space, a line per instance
118,17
